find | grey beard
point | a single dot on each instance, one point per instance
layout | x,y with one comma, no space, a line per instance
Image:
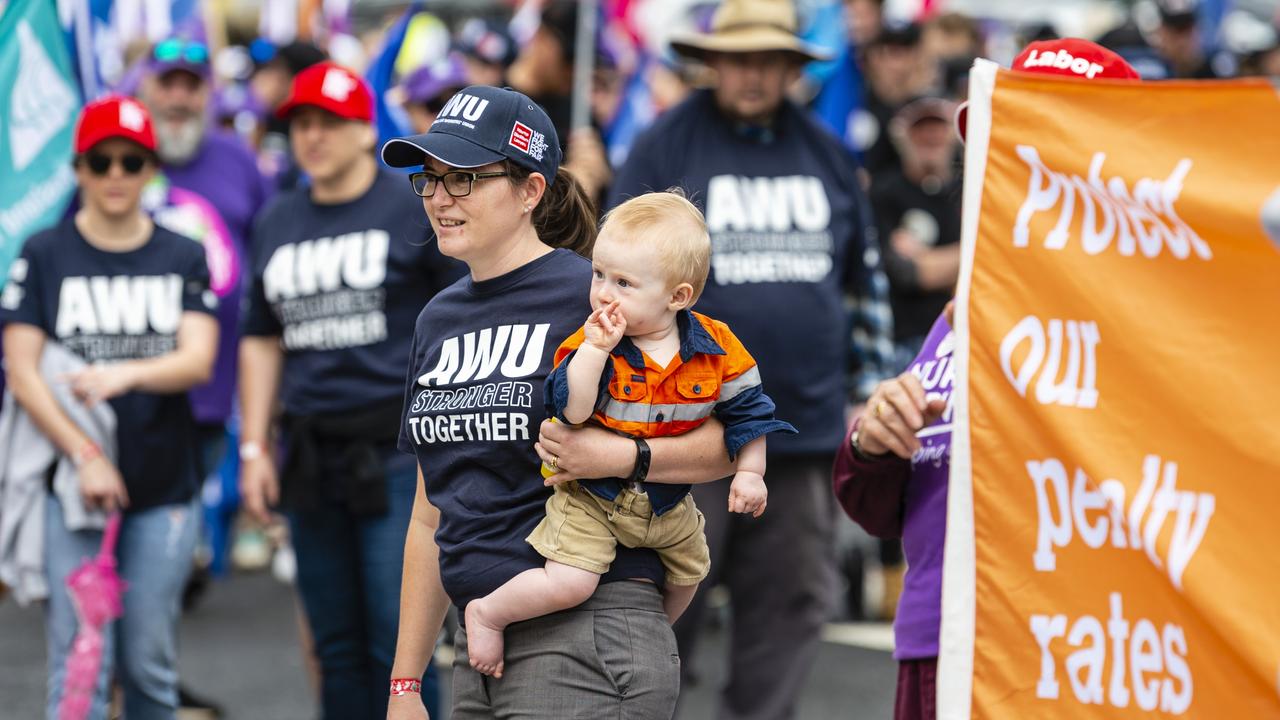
177,143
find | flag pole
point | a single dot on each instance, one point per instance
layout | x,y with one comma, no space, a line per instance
215,26
584,63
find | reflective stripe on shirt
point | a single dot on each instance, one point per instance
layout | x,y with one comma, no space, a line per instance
640,412
747,380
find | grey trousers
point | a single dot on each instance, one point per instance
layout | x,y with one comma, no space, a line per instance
781,573
612,657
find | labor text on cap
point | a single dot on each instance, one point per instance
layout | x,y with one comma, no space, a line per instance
1063,60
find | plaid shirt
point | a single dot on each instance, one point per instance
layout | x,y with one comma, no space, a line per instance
872,353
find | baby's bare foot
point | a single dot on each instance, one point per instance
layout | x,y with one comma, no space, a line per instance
484,641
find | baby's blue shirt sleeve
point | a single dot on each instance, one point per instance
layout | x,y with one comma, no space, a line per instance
746,412
556,390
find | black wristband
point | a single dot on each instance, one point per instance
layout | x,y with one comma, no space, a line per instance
641,470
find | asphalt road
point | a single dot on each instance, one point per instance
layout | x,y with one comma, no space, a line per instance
240,648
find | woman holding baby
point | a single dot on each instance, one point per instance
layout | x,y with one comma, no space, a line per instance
474,407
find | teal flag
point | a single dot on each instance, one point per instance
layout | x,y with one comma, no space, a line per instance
39,101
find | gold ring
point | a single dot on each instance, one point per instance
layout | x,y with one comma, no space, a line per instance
554,463
880,409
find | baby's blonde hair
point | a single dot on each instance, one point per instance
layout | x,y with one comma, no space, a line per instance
671,224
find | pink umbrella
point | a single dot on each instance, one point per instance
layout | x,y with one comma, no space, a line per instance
96,591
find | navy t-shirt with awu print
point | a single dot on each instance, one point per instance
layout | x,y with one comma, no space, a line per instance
341,284
473,403
116,306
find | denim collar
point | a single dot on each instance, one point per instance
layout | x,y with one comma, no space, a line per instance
694,339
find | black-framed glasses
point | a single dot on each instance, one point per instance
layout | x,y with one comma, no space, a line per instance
100,163
174,49
457,183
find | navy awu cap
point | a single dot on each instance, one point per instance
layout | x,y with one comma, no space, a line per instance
482,125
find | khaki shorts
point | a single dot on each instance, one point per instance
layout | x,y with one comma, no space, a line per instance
582,530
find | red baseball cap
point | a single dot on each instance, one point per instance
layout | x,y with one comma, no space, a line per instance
1074,57
114,116
1071,57
331,87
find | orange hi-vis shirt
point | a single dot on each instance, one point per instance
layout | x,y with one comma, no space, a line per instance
713,374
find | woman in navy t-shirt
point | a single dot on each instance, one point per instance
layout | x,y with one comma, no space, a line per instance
473,409
133,301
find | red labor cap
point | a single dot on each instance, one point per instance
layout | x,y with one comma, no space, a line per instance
111,117
330,87
1071,57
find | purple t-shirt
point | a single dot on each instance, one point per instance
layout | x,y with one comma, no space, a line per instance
924,519
225,173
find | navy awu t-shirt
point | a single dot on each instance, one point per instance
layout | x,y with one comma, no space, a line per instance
116,306
473,403
340,285
788,224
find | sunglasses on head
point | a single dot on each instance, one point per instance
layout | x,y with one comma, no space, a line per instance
175,49
100,163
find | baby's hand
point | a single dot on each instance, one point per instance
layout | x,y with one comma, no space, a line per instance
748,494
605,327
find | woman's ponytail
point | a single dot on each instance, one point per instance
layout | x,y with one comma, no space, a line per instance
566,216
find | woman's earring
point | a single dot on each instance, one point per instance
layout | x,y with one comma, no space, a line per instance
526,208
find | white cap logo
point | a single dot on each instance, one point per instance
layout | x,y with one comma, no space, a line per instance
131,116
1063,60
337,85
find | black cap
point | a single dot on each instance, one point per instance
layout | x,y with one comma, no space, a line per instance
925,107
1178,14
298,56
897,34
482,125
487,42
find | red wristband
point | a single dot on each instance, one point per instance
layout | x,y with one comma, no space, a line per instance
88,451
406,686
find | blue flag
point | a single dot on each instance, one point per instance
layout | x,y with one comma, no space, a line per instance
98,31
841,97
40,100
388,116
634,115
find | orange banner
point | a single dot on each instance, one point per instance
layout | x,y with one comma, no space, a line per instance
1113,539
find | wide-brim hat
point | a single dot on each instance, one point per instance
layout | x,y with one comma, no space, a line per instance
742,26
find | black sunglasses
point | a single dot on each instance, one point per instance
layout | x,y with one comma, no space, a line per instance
457,183
100,163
